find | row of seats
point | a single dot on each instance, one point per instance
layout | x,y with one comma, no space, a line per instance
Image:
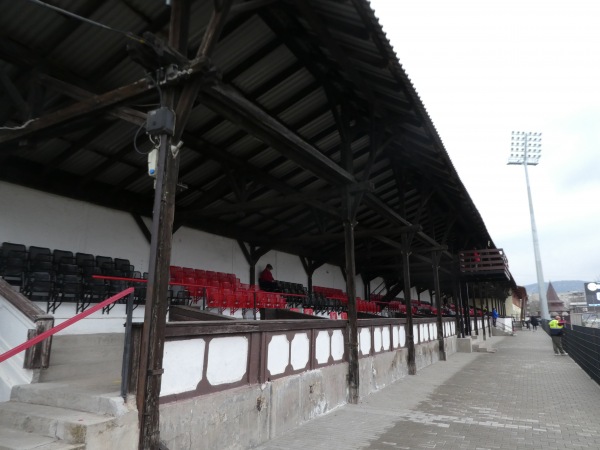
179,274
197,283
224,291
331,293
16,261
287,287
243,300
57,276
367,306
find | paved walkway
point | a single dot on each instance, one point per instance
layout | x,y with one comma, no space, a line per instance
521,397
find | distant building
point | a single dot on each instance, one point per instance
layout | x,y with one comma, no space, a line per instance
555,304
573,300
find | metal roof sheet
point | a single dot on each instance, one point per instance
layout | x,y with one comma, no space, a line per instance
297,63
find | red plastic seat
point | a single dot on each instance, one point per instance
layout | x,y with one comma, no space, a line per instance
202,281
231,302
221,276
190,285
261,299
214,298
175,273
250,299
199,273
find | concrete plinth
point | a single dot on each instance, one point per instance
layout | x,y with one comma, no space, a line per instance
464,345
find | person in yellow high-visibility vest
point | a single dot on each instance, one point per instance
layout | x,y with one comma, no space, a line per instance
556,333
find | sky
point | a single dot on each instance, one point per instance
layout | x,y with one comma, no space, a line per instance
485,68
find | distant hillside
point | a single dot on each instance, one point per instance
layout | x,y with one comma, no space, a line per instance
561,287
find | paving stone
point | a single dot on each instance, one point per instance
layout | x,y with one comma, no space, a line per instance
520,397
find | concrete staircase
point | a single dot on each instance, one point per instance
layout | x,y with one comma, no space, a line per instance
76,404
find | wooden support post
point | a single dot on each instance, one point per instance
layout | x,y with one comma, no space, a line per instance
353,372
410,338
253,273
158,285
435,258
480,290
457,300
489,309
464,295
155,314
475,325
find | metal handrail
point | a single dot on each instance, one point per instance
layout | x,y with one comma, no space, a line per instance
46,334
127,349
504,327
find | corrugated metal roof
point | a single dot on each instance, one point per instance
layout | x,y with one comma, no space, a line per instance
301,64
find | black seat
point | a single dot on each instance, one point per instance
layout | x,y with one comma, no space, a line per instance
123,266
89,268
13,263
62,257
39,286
9,249
67,269
94,291
100,260
14,271
84,259
69,288
180,296
40,261
39,254
139,294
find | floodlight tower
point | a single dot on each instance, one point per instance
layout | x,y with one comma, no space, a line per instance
525,149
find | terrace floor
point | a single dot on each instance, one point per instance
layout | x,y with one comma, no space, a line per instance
521,397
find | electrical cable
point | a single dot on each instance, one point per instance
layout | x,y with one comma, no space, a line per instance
137,133
18,127
157,85
128,34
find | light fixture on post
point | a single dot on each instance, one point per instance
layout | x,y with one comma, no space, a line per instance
526,149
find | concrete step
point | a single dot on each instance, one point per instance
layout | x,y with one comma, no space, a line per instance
93,395
73,427
67,355
483,347
109,369
21,440
77,340
76,357
80,346
81,408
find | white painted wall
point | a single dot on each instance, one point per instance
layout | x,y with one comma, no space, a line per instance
33,217
378,286
13,333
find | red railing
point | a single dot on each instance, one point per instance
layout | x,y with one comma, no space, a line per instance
46,334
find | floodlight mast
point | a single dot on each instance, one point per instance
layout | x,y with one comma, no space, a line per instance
526,149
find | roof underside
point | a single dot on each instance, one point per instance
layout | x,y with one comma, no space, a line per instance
300,102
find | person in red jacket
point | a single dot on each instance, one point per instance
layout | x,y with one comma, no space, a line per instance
266,280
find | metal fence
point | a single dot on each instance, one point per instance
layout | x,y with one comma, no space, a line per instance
583,346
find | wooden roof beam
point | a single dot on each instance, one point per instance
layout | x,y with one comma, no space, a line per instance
230,103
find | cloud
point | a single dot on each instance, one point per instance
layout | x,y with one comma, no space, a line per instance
484,69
